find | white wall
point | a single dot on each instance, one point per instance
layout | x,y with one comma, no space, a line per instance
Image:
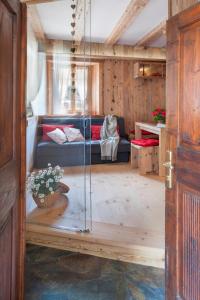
32,65
35,92
39,104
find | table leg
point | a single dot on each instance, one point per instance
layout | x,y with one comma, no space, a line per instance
138,132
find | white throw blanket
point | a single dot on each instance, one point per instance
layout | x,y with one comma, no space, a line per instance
109,138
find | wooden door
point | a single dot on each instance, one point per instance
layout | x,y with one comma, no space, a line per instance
183,129
11,242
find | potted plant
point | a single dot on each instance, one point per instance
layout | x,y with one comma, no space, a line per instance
45,186
159,115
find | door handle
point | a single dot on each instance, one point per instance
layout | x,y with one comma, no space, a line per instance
169,166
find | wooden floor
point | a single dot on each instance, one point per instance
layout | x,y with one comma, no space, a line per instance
127,213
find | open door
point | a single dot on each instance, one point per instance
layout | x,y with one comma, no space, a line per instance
183,128
11,218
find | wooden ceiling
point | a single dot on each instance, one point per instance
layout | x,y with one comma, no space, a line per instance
128,16
132,11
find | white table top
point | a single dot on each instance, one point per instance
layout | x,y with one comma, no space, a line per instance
151,127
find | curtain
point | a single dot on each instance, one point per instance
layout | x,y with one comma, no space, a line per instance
65,100
81,85
61,79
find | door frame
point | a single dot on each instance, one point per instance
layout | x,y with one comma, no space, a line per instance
22,202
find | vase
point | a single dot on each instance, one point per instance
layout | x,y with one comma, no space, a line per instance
48,201
160,122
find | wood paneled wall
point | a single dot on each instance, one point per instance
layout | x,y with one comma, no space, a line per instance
133,99
176,6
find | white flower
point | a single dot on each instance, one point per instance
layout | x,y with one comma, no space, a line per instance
49,165
50,189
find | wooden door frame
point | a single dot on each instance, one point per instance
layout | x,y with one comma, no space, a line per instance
22,179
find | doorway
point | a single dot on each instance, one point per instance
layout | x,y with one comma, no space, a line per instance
109,202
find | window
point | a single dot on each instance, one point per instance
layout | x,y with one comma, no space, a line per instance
71,99
74,99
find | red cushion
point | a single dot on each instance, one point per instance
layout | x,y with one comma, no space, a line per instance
144,132
50,127
96,129
146,142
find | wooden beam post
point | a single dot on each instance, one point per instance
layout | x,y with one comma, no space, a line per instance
101,51
153,35
133,9
37,1
34,19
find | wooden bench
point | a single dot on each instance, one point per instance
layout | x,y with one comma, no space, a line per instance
145,158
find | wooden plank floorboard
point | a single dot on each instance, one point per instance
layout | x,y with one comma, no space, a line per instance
128,225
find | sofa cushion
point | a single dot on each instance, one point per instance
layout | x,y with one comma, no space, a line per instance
146,142
73,134
96,132
120,122
57,136
67,154
75,148
51,148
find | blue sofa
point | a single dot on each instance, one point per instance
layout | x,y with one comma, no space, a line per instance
77,153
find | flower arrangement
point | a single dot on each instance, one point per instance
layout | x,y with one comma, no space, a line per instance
44,182
159,115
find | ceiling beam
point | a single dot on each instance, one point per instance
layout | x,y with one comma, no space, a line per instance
153,35
37,1
133,9
82,9
102,51
34,19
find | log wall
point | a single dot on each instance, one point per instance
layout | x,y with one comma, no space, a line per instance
133,99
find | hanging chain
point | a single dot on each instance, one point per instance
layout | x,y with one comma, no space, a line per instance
73,51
